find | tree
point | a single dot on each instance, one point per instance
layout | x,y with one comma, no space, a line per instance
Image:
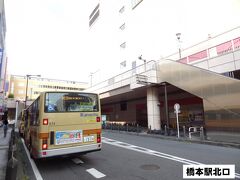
11,95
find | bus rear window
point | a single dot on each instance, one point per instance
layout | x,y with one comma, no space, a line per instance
71,102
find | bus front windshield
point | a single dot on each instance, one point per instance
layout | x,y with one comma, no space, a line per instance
71,102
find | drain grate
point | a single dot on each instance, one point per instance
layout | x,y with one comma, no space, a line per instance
149,167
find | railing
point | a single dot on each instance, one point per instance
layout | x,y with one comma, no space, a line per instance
125,78
136,128
196,130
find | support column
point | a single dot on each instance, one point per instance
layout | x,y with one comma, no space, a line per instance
153,108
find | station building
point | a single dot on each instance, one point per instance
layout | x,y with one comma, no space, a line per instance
202,78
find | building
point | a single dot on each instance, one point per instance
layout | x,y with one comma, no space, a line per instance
36,85
122,31
202,78
3,58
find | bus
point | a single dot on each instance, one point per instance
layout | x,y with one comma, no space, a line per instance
63,123
21,123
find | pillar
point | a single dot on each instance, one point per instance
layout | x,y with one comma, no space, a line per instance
153,108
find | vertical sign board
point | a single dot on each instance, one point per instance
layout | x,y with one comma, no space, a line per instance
177,111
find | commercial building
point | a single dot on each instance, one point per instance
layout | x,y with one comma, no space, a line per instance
36,85
3,58
203,78
19,85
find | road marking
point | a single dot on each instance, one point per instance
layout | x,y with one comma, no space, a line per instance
152,152
97,174
34,167
237,175
3,147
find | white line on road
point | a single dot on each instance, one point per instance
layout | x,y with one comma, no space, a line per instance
34,167
152,152
97,174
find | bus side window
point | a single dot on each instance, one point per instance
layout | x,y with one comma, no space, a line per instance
26,118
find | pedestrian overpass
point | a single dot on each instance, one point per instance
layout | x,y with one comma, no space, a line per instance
151,85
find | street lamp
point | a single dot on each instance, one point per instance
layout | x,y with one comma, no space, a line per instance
91,76
27,76
179,49
144,60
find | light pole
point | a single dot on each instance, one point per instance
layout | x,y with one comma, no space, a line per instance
91,76
179,49
144,60
27,76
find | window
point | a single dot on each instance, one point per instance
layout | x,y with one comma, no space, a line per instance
94,15
198,56
224,47
21,92
236,43
21,84
135,3
123,64
122,9
123,45
122,27
71,102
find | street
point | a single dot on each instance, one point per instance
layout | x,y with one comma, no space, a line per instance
134,157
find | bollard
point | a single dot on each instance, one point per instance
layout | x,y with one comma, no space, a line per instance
11,172
127,127
184,131
201,133
165,130
137,128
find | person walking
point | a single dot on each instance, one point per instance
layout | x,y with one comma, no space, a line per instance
5,122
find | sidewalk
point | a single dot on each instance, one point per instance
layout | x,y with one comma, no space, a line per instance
4,143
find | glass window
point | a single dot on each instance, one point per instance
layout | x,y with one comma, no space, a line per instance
122,27
71,102
123,45
21,92
122,9
21,84
135,3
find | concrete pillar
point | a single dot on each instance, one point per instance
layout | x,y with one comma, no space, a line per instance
153,108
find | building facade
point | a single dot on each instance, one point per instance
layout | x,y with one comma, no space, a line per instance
36,85
202,78
122,31
3,58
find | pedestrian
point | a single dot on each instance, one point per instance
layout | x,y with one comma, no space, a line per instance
5,122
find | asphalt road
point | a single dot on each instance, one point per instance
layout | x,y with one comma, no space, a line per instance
131,157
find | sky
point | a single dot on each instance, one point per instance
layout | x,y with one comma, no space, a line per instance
48,37
51,37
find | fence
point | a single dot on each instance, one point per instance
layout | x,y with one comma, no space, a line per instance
134,127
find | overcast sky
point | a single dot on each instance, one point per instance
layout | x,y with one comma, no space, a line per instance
48,37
